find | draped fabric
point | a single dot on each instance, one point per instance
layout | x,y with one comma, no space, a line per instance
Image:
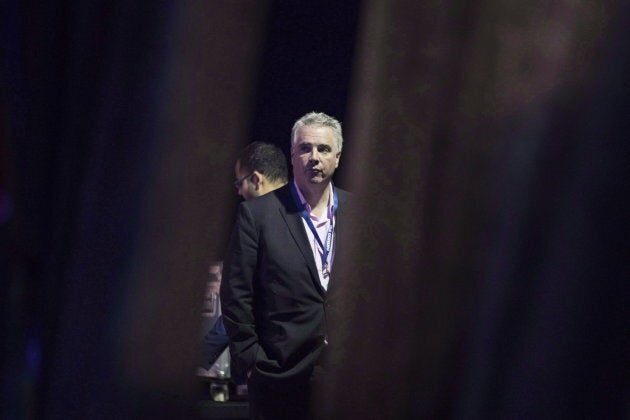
483,141
489,279
123,120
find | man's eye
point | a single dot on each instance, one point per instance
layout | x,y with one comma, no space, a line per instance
323,149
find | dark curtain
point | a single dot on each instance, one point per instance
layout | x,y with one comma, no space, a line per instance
484,143
490,270
121,120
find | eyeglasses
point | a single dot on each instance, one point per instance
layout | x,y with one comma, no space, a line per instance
240,181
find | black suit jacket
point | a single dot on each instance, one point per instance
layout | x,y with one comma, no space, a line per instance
273,304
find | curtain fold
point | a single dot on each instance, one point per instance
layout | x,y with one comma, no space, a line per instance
124,120
483,156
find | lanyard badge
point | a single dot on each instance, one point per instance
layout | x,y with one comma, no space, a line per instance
327,246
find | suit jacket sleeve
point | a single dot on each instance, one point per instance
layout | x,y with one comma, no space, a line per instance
237,290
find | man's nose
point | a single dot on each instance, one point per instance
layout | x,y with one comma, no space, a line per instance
314,155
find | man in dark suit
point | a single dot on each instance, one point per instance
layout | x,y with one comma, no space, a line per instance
260,168
278,281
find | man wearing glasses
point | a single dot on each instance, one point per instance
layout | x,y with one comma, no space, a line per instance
278,284
260,168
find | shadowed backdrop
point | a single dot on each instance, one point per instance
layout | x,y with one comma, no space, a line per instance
483,141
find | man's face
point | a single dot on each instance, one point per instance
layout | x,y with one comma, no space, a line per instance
213,286
314,155
215,270
243,183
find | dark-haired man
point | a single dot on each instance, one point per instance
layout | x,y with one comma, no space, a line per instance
260,168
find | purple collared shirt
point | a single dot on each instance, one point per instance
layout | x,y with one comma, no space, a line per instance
322,224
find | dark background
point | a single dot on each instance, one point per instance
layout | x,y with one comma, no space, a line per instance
485,140
92,102
306,66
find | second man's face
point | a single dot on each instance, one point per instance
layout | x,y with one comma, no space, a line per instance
314,155
243,183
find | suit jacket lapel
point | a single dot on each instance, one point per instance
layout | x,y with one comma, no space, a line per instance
293,219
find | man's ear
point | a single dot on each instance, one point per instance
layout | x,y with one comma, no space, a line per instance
256,179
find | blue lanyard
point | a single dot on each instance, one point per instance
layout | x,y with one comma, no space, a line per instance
326,249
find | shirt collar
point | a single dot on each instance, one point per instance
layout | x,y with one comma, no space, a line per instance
308,207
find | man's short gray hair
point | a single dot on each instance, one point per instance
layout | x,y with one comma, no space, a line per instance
319,119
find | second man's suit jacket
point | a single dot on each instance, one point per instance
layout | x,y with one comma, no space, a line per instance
274,307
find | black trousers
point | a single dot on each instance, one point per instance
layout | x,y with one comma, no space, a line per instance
282,399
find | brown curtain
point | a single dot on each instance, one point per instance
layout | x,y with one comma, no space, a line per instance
213,55
466,143
124,120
